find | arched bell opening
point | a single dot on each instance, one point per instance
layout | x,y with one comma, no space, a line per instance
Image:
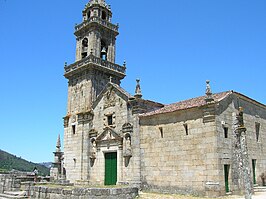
89,14
84,50
104,50
104,15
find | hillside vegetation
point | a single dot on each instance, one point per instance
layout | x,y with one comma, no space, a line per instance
9,162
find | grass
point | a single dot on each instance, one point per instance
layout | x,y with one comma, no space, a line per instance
146,195
3,170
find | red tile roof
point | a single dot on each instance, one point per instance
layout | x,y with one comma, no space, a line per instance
187,104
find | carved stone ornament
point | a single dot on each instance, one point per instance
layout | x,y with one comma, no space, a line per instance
128,149
109,98
85,117
109,135
127,127
93,133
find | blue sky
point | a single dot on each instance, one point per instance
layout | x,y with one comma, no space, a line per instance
172,46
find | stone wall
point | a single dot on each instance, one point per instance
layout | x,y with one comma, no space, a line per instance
253,113
82,193
116,106
175,160
8,182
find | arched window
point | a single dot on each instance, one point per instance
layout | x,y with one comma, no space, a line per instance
104,15
89,14
84,52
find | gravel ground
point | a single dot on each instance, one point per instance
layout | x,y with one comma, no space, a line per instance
173,196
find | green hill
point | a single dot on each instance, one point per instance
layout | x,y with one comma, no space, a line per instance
9,162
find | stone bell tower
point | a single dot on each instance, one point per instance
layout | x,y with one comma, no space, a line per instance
93,68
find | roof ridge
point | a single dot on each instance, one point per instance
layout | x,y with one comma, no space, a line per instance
198,97
187,104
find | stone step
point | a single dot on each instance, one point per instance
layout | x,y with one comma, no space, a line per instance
12,195
259,189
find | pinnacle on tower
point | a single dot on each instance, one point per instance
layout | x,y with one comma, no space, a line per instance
58,144
208,92
138,93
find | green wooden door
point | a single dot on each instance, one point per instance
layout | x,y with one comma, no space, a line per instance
226,177
110,169
254,171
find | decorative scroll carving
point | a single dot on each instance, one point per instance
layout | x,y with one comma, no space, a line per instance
93,133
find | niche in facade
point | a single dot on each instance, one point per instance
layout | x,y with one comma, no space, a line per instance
93,151
127,148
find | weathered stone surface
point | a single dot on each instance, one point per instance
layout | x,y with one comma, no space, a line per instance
80,193
183,148
8,182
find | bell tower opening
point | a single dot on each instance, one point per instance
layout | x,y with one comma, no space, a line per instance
84,51
87,77
104,49
104,16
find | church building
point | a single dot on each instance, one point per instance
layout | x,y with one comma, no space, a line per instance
114,138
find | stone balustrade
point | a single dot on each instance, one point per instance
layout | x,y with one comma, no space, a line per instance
95,19
95,60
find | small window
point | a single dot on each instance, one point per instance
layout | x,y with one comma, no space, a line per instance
257,128
186,128
84,54
75,162
225,132
161,131
110,119
74,129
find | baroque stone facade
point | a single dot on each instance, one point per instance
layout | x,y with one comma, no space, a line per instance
112,137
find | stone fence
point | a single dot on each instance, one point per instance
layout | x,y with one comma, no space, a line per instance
9,182
46,192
